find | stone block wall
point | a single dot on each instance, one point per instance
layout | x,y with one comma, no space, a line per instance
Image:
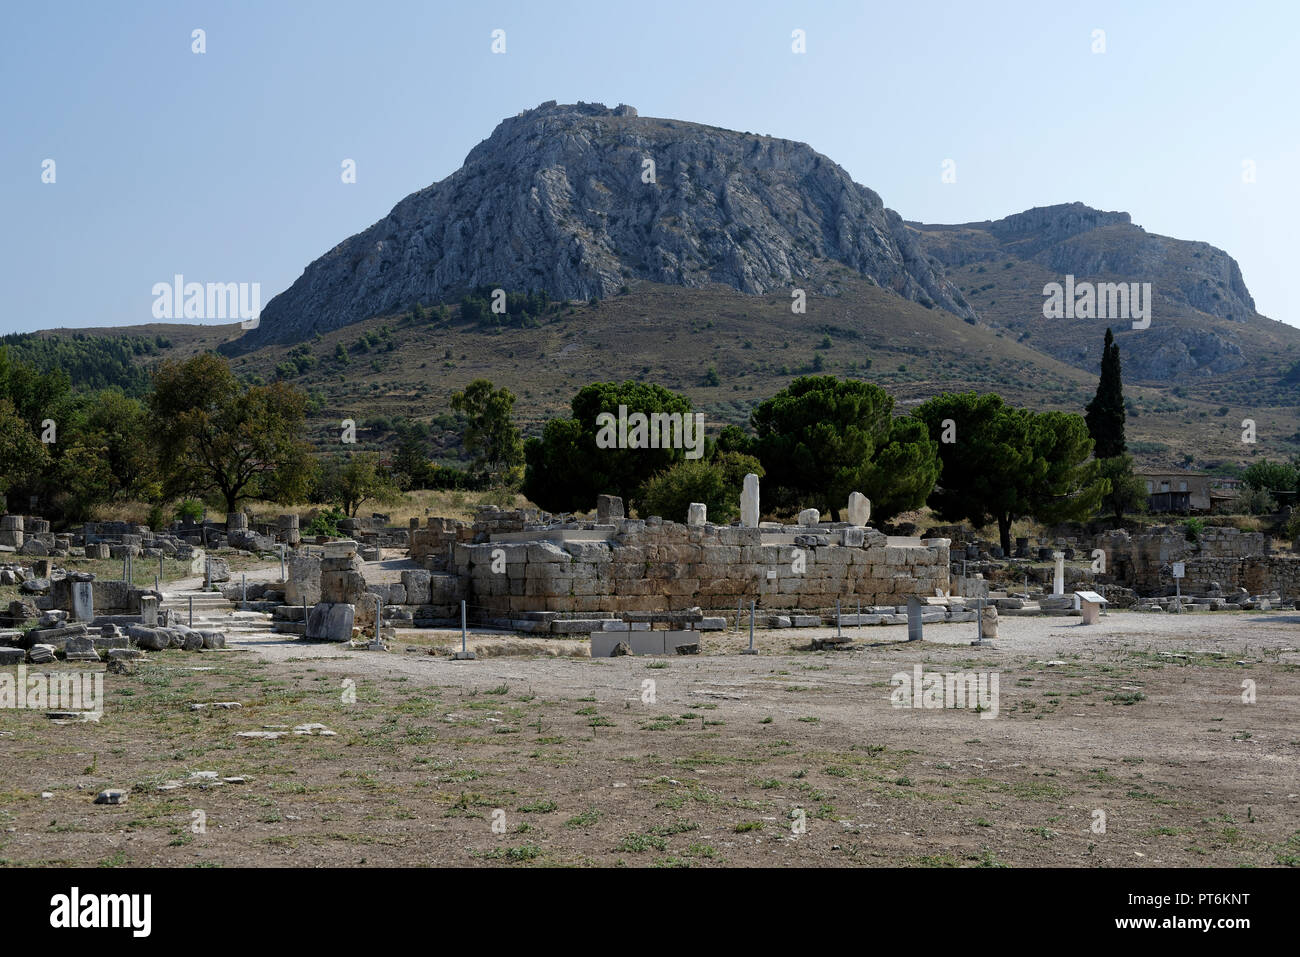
303,586
431,546
374,531
1259,575
1221,554
1218,542
666,566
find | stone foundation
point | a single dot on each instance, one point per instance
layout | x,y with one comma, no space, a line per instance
1226,556
653,566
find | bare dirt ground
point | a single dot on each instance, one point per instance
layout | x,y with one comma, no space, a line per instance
551,758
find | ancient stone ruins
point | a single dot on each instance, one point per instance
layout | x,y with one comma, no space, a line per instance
638,586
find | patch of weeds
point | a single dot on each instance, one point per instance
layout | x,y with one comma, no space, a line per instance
524,852
1126,698
636,843
586,819
539,807
673,827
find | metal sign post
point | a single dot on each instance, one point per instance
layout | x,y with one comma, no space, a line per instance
463,654
751,650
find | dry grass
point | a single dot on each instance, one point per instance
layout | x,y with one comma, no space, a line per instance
418,504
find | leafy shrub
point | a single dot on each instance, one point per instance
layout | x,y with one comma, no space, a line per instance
670,493
326,522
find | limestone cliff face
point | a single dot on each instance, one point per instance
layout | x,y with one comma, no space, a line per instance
1201,300
1076,239
581,200
563,199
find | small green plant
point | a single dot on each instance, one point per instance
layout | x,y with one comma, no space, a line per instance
539,807
326,522
586,819
634,843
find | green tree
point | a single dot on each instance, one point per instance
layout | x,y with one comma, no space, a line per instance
490,433
44,404
36,396
567,469
735,466
352,479
670,493
1067,483
104,456
86,480
1266,476
903,470
1253,501
1125,492
818,439
22,455
1005,463
411,457
118,426
1105,413
716,483
214,435
733,438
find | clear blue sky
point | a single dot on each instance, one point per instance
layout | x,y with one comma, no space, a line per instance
225,166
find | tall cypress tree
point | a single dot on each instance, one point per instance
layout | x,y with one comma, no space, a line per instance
1105,413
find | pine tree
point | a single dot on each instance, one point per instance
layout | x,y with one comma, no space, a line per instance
1105,413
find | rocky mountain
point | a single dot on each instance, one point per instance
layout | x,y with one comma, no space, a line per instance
582,201
579,200
1201,302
